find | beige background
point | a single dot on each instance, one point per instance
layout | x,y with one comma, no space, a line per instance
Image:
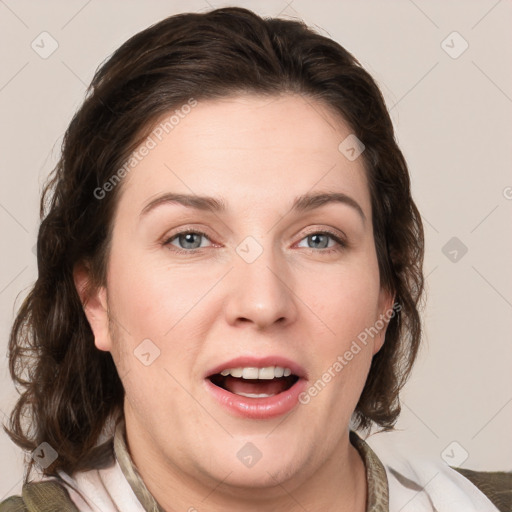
453,121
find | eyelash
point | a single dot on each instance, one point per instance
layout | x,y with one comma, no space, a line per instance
342,244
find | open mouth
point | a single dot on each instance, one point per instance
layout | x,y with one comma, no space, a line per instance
253,382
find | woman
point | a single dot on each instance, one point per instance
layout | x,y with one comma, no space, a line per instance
230,275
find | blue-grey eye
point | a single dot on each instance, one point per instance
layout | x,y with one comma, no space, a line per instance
319,241
187,240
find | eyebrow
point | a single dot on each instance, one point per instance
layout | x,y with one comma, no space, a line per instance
306,202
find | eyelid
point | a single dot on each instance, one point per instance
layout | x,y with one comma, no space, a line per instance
327,230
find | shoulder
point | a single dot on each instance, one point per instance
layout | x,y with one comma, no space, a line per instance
36,496
442,487
63,492
496,485
418,481
13,504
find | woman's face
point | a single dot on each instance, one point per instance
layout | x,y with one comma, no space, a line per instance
203,325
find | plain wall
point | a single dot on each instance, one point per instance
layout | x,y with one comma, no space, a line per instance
453,123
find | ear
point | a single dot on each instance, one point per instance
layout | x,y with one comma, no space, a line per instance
385,313
95,306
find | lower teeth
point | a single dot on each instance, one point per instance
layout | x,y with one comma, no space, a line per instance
254,395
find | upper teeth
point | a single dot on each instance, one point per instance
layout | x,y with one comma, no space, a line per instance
269,372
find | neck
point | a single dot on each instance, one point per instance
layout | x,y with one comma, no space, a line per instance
339,483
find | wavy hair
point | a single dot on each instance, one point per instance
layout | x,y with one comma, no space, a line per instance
68,388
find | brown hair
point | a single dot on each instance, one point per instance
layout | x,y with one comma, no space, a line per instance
68,388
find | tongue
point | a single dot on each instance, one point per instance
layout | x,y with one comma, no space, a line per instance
255,386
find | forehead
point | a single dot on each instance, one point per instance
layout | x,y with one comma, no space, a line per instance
247,147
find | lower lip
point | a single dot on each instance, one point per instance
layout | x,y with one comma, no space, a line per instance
258,408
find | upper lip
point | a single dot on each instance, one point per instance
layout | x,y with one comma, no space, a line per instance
258,362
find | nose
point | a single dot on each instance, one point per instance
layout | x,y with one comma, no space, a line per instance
260,292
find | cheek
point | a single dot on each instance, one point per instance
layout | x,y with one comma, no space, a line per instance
166,305
153,298
344,348
346,300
